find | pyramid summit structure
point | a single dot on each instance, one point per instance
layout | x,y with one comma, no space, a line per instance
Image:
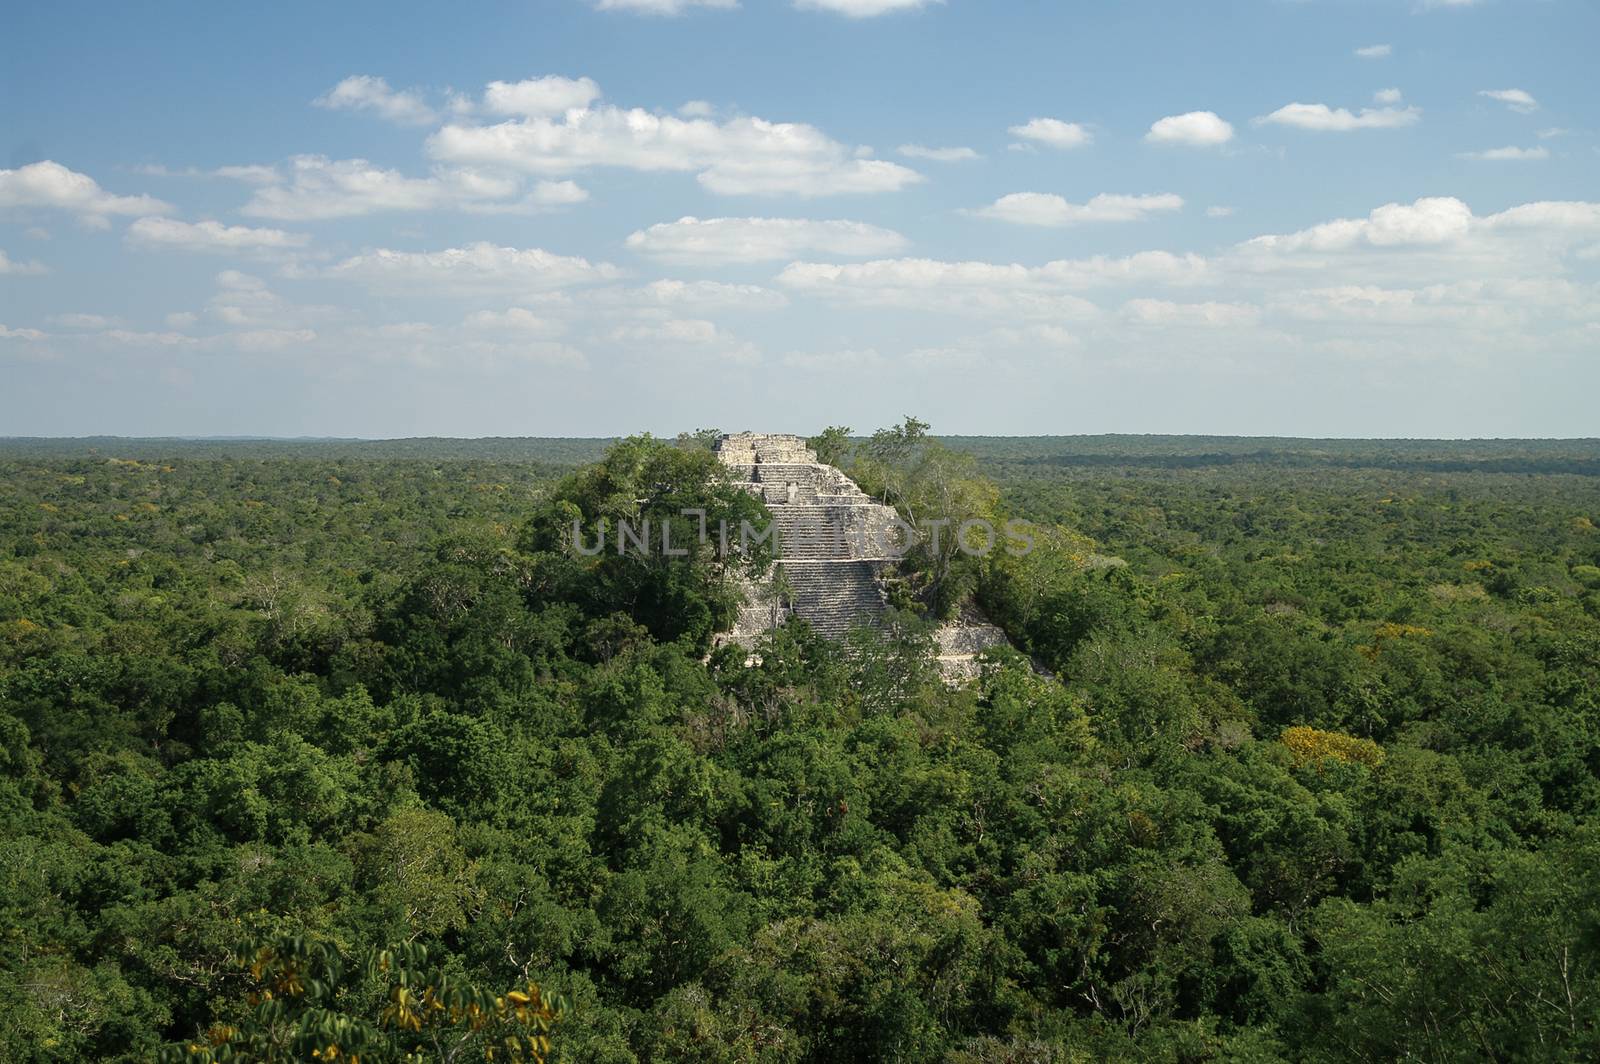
834,541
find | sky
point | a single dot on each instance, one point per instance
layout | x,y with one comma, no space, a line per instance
596,217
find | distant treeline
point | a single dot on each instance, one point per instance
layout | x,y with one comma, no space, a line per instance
1013,454
1576,457
563,452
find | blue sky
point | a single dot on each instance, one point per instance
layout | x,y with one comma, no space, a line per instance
588,217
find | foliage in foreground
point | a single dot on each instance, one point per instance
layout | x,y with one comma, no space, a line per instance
307,1002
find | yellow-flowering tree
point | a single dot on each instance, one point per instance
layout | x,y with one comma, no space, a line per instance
1310,745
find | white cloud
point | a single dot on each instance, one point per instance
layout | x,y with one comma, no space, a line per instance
938,155
257,318
701,295
1000,290
363,92
662,7
210,236
1164,312
26,335
740,156
243,299
1218,212
252,174
1516,99
540,97
449,349
687,335
1322,118
1418,281
1553,131
182,319
320,188
519,320
82,321
1509,154
558,194
711,241
1038,208
49,184
480,267
862,8
1199,129
1387,97
137,338
697,109
10,266
1434,220
1053,132
1375,51
1559,218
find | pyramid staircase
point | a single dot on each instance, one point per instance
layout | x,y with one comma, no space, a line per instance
834,542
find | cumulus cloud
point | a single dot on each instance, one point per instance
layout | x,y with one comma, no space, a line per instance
740,156
480,267
210,236
1038,208
1218,212
48,184
540,97
1387,97
1053,132
938,155
514,320
243,300
1432,220
1199,129
711,241
1517,99
1375,51
1457,281
319,188
1004,290
1322,118
663,7
363,92
863,8
9,266
1508,154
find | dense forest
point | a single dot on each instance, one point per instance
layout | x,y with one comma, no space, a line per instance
334,750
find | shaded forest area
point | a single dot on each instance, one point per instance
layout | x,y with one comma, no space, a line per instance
332,750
